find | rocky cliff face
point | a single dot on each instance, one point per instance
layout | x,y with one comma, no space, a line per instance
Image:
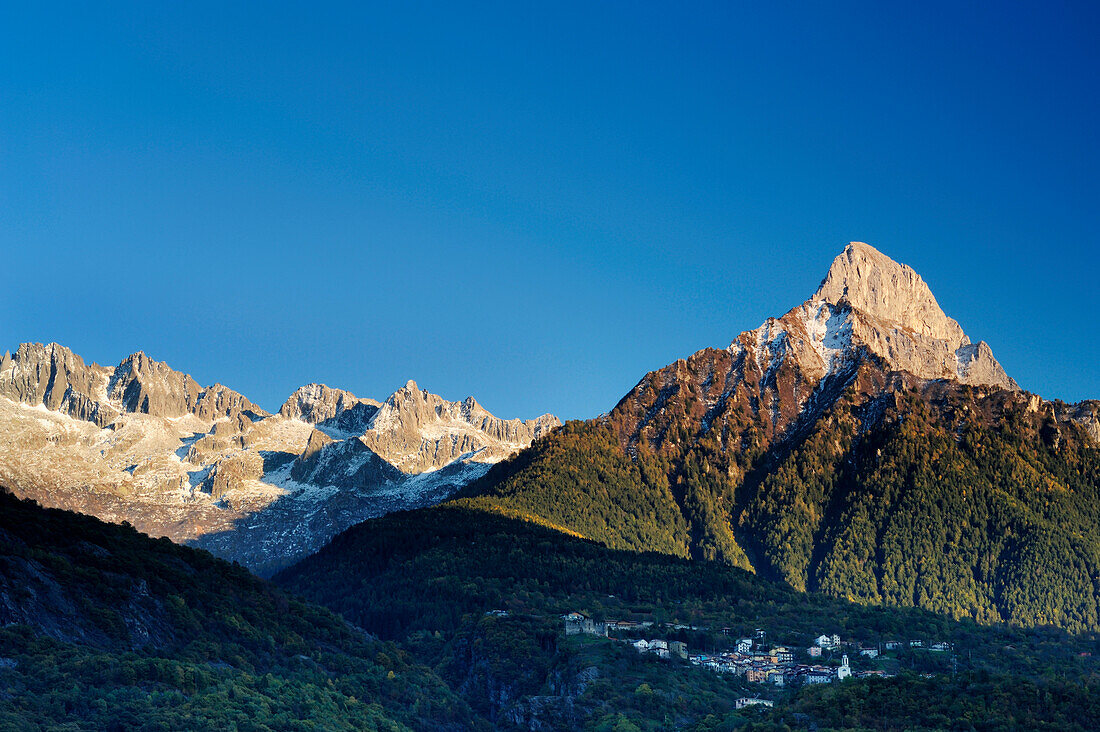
58,379
144,443
869,310
895,316
317,404
418,431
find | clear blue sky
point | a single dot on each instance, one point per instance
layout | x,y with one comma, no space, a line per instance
536,206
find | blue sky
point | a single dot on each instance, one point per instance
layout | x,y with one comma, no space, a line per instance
536,205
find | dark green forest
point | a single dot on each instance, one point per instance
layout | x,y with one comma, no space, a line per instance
961,502
107,629
426,579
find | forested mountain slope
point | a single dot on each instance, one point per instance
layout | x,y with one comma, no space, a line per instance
480,596
860,445
103,628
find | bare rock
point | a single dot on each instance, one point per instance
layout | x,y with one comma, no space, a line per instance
317,403
417,430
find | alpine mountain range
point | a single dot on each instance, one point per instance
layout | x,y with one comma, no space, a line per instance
143,443
768,455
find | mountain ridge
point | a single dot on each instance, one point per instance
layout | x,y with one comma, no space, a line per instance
144,443
768,454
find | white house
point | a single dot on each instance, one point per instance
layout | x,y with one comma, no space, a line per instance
869,652
751,701
844,671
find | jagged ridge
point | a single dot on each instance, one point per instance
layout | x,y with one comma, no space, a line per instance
144,443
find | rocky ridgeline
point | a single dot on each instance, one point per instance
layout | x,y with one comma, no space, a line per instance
871,320
144,443
419,431
317,404
57,378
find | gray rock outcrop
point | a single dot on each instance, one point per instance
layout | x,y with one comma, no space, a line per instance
317,403
58,379
417,430
895,316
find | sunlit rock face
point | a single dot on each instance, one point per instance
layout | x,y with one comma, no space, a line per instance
869,318
144,443
418,431
897,317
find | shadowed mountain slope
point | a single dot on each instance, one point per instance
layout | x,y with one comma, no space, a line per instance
104,628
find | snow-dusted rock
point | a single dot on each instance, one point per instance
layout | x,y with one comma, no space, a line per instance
418,431
869,313
147,444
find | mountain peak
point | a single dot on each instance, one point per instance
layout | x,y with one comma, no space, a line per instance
316,403
416,430
874,284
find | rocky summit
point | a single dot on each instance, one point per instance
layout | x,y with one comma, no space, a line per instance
869,310
144,443
861,445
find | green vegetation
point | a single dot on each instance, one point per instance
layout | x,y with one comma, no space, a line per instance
978,701
953,500
579,479
109,629
975,521
427,579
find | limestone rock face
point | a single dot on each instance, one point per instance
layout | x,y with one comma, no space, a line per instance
144,443
877,286
317,403
896,317
417,431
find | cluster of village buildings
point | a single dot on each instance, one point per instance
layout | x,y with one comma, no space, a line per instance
752,658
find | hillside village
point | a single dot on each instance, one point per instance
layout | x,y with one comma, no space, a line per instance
753,658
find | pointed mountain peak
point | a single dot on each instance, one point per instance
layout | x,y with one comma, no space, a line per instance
876,285
417,430
316,403
410,393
